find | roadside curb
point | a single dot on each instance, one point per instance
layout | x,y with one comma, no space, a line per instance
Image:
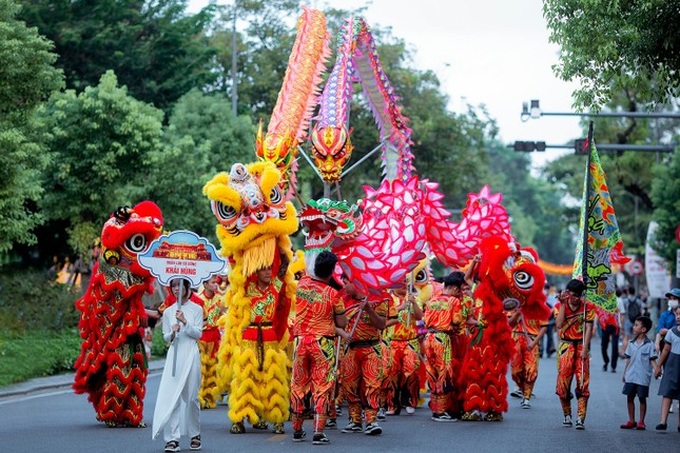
55,382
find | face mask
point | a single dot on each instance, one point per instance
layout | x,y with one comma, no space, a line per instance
672,304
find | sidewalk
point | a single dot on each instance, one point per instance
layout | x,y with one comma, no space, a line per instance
55,382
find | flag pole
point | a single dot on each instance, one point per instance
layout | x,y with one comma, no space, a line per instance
584,258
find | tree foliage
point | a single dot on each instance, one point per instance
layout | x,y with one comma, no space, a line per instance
99,142
666,197
156,49
602,40
27,78
202,139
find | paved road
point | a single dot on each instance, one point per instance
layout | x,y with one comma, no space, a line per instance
44,416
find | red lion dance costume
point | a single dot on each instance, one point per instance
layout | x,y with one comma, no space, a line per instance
111,367
509,279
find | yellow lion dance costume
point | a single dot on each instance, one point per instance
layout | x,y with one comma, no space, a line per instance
255,222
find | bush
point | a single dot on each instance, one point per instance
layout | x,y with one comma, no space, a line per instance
29,300
37,353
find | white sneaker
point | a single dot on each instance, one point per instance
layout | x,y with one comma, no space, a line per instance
525,404
410,410
517,393
567,421
444,417
373,429
381,414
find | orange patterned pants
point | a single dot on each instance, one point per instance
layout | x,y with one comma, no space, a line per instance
313,366
524,365
570,366
403,382
438,356
362,369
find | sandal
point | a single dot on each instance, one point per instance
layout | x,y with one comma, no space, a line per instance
171,446
195,443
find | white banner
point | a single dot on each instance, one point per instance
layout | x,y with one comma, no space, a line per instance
656,268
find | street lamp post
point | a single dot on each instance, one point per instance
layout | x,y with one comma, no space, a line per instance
533,111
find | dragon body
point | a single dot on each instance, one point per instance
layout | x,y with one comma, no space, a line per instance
297,98
111,367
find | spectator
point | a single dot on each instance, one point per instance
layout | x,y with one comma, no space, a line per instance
670,361
640,358
667,318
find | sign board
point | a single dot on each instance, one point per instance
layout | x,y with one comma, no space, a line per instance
657,271
677,234
677,263
182,254
636,268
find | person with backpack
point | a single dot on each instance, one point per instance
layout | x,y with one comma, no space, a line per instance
634,308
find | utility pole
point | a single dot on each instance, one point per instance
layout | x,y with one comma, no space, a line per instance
234,87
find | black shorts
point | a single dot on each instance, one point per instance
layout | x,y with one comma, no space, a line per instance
641,391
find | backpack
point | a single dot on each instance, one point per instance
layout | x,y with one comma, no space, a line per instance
633,308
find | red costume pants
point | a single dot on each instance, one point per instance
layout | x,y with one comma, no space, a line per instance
313,367
362,369
438,357
403,382
524,365
570,365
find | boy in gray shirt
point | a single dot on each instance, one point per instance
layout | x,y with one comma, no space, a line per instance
640,359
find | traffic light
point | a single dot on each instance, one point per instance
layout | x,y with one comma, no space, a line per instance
527,147
580,146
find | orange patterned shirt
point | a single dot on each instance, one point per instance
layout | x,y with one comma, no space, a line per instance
529,326
316,305
443,312
264,302
573,327
402,331
364,330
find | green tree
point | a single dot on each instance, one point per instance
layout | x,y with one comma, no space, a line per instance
602,40
27,78
156,49
99,141
202,139
539,216
666,197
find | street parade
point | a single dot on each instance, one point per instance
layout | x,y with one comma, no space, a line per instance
314,318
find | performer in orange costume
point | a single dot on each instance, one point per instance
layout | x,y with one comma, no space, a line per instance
402,380
213,308
318,310
574,324
443,315
362,367
527,334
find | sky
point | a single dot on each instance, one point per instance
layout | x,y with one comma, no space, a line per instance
491,52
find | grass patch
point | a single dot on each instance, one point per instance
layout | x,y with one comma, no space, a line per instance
37,353
39,335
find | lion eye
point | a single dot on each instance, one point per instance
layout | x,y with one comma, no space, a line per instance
224,213
275,197
421,276
136,243
524,280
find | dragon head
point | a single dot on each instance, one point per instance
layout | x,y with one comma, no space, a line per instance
329,223
250,207
331,149
128,232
